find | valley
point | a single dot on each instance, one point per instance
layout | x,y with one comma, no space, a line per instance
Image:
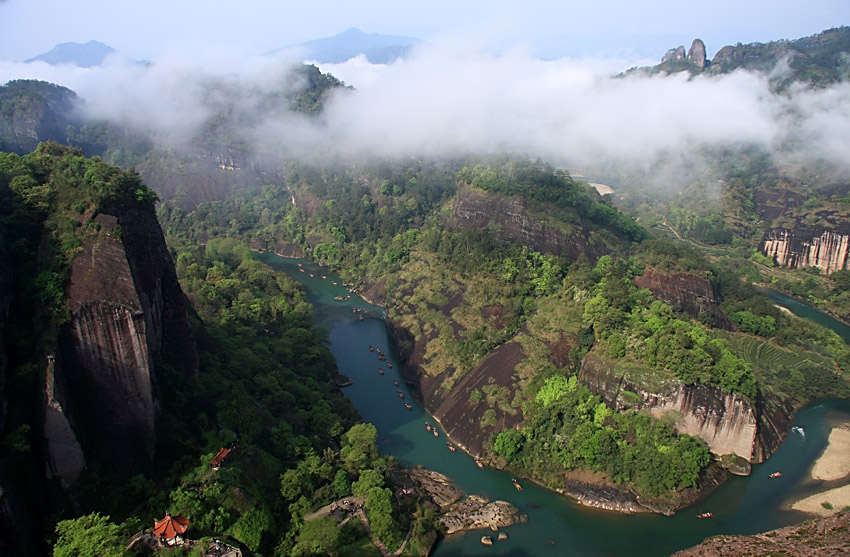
599,369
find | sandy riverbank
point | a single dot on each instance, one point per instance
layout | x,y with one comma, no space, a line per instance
833,464
834,499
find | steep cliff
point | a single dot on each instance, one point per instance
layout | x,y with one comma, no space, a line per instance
478,405
124,300
804,246
694,295
728,422
31,112
517,222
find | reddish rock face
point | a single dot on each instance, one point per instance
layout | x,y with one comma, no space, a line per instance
728,422
828,250
694,295
127,309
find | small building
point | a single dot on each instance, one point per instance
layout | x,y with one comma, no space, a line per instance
218,460
170,528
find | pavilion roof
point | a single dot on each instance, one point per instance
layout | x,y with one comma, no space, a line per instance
170,526
221,455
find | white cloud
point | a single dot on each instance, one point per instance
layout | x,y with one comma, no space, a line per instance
452,98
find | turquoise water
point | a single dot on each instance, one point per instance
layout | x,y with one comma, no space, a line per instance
556,524
802,309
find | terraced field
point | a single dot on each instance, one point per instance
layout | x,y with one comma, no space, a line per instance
767,358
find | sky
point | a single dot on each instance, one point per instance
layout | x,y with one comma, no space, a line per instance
623,28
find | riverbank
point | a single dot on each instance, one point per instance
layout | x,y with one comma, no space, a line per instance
834,463
831,466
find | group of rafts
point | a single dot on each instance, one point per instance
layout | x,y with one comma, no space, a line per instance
428,427
383,357
335,283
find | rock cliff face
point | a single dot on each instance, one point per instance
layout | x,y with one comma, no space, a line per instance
124,300
674,54
476,208
808,247
729,423
65,459
694,295
32,112
696,53
461,413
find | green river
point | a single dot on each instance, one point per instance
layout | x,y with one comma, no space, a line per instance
556,525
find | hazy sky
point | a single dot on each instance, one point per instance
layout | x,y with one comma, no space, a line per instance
625,28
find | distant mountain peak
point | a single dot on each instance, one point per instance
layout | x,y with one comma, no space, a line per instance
377,48
87,55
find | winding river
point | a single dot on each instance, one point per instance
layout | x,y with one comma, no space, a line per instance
556,524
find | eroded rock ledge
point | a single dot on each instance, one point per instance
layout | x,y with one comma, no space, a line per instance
459,512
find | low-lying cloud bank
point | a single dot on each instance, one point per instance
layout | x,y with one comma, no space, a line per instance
446,99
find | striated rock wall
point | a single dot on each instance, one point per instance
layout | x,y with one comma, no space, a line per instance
479,209
728,422
462,418
694,295
801,247
124,300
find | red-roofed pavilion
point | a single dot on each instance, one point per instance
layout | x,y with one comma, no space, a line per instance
219,458
170,527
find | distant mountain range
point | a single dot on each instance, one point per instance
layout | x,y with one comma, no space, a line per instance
87,55
378,49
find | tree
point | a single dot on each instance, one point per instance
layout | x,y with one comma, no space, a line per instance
251,526
379,509
91,534
368,479
359,446
508,444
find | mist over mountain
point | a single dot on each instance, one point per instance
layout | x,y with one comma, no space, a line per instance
351,43
90,54
456,97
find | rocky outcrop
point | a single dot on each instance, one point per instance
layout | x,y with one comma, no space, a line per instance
696,53
677,53
728,422
510,216
820,537
124,299
594,490
694,295
65,459
459,512
826,249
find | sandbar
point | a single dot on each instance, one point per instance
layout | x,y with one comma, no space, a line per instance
838,498
834,463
